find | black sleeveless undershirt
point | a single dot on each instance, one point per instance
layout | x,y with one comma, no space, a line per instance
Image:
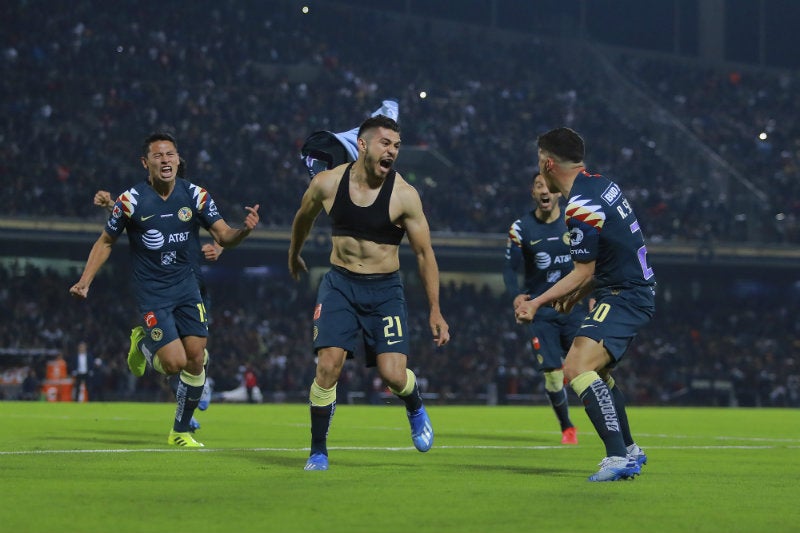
371,223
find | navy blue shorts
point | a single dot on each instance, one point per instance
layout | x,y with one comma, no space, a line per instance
551,336
351,307
164,325
617,317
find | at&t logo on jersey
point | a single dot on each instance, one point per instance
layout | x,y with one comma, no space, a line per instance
178,237
543,260
153,239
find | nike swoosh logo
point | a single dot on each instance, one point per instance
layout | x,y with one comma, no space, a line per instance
146,218
393,342
534,243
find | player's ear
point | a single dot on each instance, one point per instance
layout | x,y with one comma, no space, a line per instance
144,162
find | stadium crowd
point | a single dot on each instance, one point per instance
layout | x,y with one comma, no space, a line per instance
748,116
265,323
80,88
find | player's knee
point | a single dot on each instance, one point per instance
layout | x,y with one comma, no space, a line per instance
553,380
327,375
329,366
171,363
571,371
400,383
170,367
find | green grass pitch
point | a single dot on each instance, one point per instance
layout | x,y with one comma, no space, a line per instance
106,467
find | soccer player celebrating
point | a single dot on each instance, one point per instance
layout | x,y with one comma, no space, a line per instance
610,259
540,242
208,252
371,208
163,216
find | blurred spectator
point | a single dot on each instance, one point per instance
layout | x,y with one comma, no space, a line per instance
81,364
250,383
97,381
31,387
746,341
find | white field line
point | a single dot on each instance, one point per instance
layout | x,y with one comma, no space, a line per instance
372,448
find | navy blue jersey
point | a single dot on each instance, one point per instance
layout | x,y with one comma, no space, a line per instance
164,238
603,228
543,247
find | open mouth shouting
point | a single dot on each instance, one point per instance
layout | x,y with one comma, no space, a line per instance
386,163
546,201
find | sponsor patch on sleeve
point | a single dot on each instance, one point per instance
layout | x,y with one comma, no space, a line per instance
611,194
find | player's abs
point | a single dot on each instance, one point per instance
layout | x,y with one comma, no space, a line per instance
364,257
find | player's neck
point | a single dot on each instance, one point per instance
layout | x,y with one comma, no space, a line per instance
163,188
569,179
362,176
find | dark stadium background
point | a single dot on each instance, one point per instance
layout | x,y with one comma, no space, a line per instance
750,31
726,329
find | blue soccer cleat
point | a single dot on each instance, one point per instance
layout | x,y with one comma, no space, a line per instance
638,454
205,398
616,468
317,461
194,425
421,429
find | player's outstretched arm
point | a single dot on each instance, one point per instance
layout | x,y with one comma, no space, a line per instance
229,237
322,186
101,250
419,237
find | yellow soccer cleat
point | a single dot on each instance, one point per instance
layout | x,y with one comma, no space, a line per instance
136,361
183,439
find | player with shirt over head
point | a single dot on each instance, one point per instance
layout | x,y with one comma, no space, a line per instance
162,217
539,241
610,261
371,208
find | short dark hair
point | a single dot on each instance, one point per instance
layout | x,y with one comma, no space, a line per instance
378,121
564,143
157,136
